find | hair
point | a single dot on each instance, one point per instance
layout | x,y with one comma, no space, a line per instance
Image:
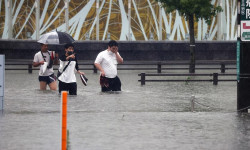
112,43
43,44
66,46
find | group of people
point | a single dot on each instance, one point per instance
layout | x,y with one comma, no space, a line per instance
106,62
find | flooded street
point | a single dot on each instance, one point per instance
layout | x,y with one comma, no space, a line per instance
156,116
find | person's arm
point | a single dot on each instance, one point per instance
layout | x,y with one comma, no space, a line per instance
70,57
98,62
99,67
80,72
77,67
36,64
119,58
56,60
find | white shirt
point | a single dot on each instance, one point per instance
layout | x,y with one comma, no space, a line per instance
108,62
38,58
68,76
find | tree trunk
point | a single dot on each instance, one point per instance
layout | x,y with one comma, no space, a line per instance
192,44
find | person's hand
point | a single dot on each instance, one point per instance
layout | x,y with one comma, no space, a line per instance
103,73
71,56
41,63
80,72
115,50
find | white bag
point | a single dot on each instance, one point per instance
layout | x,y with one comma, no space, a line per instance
44,67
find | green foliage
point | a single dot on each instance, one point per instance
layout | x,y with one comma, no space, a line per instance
188,78
201,9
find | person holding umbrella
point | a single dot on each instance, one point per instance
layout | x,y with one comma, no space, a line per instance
45,59
66,72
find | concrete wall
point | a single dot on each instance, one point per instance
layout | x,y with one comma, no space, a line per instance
136,50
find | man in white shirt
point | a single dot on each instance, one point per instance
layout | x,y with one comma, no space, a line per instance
45,59
106,62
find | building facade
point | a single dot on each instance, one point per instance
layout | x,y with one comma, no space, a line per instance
110,19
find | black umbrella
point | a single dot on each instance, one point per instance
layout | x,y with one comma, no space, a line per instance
56,37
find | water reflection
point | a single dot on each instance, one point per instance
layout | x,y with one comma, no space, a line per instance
154,116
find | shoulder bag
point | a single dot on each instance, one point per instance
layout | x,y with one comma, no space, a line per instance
60,73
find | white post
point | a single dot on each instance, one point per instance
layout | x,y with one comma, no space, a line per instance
67,15
186,36
129,20
192,103
160,23
108,36
10,26
2,74
151,36
97,20
238,30
37,19
87,36
219,23
168,36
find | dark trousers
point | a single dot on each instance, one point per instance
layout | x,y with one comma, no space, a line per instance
114,84
71,87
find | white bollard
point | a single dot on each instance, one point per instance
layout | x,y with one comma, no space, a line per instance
2,74
192,103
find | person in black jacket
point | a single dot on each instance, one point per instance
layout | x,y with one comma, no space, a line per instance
67,79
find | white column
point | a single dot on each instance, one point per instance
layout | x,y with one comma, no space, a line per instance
238,23
160,23
2,80
97,20
129,20
67,15
10,26
37,19
219,23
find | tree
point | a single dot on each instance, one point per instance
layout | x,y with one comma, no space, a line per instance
192,10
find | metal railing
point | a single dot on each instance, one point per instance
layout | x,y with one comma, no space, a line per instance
159,66
215,79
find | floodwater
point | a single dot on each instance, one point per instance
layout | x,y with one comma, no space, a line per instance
156,116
